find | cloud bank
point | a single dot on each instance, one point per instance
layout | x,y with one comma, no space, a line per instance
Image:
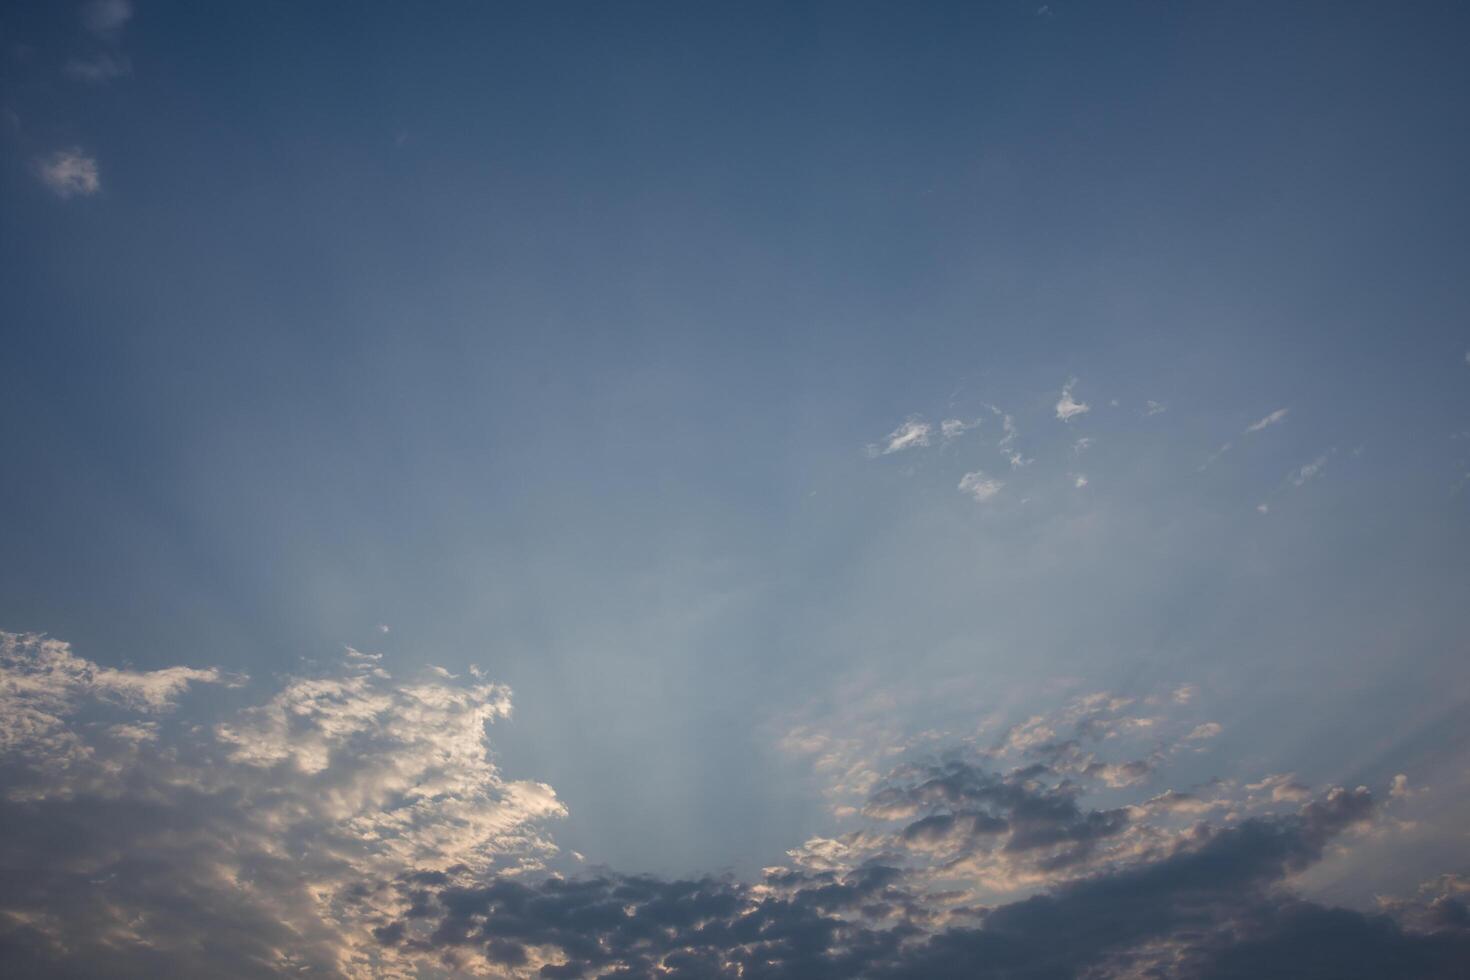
351,824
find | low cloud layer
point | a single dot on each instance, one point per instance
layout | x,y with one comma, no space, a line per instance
354,824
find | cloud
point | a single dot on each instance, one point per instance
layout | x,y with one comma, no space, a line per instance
950,428
913,432
1271,419
980,486
1309,471
69,173
1211,902
1067,406
104,17
99,68
1081,445
1154,408
1212,457
258,845
1079,480
1007,443
352,824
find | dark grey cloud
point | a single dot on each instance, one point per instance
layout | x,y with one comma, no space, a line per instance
1214,906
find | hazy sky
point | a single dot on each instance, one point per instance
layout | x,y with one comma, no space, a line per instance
785,409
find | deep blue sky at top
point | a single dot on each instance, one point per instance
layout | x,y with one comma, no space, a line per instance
552,334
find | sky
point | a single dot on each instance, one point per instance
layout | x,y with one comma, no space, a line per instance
707,490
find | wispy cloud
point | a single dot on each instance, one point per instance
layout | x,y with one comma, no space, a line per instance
980,486
1209,460
69,173
951,428
1067,406
105,17
912,433
99,68
1007,443
1309,471
1154,408
1271,419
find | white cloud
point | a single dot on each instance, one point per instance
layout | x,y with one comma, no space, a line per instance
1079,480
1271,419
1081,445
1154,408
285,825
980,486
42,682
1309,471
1067,406
950,428
69,173
1007,443
1208,730
106,16
1263,508
914,432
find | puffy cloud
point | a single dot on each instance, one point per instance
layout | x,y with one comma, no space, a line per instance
1211,902
69,173
354,825
1067,406
266,843
980,486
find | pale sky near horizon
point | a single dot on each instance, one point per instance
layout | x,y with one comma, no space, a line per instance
767,395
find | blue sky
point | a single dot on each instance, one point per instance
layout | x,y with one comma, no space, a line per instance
767,395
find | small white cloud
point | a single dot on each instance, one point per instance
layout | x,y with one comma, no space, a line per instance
1081,445
980,486
1208,730
1310,471
1271,419
914,432
69,173
1154,408
1263,508
950,428
384,628
106,16
1079,480
1067,406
